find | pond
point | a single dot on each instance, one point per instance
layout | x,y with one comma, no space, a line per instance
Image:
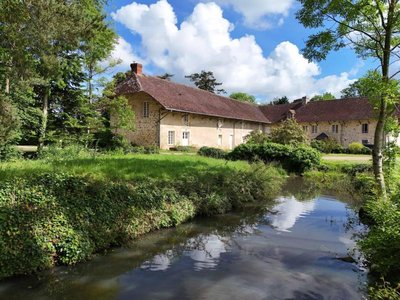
291,249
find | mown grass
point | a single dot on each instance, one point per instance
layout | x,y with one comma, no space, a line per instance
123,167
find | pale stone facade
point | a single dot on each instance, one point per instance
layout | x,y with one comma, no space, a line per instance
345,132
168,129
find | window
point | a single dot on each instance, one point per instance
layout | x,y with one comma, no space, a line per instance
220,140
364,128
145,109
314,129
364,142
171,137
335,128
186,119
305,128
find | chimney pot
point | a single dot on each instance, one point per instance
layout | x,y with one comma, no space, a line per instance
137,68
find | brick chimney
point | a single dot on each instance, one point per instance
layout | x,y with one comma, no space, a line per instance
137,68
304,100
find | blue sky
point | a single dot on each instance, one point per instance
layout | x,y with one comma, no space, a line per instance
250,45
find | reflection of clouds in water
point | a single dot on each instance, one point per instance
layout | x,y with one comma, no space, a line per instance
205,250
207,256
288,211
160,262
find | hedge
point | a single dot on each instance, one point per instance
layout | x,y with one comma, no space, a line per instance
292,158
212,152
60,219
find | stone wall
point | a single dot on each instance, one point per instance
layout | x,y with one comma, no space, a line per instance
146,129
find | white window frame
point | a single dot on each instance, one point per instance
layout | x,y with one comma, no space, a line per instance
146,109
366,127
171,137
335,128
314,129
305,128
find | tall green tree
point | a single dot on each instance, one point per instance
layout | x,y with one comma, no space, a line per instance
289,132
355,89
205,80
46,42
281,100
243,97
372,29
325,96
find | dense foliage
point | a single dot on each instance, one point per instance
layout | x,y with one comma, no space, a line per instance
243,97
358,148
289,132
329,145
293,158
212,152
58,218
50,59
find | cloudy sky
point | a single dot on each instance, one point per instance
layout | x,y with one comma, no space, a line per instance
252,46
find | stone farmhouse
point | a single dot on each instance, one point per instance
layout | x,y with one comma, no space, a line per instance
169,114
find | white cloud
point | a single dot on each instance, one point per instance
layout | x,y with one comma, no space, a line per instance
260,14
123,51
204,42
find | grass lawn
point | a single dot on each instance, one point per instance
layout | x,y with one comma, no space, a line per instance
346,159
123,167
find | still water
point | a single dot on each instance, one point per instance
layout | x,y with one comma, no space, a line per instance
291,249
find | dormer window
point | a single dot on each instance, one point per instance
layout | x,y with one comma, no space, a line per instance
146,109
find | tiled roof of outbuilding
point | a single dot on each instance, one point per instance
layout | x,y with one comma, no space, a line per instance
276,113
335,110
179,97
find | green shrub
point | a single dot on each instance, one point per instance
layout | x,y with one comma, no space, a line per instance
381,245
384,291
54,219
289,132
151,150
9,153
358,148
57,153
256,137
294,159
329,145
212,152
183,149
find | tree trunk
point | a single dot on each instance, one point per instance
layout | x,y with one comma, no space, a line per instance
45,112
7,85
377,153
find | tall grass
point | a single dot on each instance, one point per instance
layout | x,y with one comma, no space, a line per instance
122,167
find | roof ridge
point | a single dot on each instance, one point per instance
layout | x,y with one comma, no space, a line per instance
198,89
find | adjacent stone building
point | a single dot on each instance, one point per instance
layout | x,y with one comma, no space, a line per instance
169,114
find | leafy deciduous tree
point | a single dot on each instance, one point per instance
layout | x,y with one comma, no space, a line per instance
205,80
323,97
243,97
281,100
372,29
289,132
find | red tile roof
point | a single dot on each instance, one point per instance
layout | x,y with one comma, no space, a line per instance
336,110
179,97
276,113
